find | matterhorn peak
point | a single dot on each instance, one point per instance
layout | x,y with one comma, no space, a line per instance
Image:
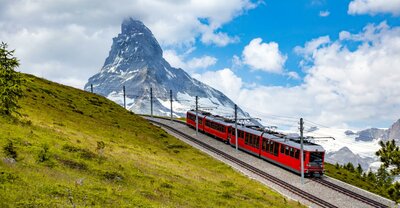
135,61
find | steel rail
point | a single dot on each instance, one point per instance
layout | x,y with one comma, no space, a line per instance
349,193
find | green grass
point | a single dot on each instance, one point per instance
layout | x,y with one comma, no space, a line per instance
60,161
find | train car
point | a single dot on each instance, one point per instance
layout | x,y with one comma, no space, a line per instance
248,139
218,127
191,119
286,153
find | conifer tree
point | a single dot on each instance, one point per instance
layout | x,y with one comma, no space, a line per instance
394,192
359,169
10,82
350,167
383,177
389,154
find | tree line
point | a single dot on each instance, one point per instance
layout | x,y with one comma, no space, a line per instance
382,181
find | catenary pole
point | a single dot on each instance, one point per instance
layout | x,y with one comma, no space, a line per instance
197,116
170,98
124,96
151,102
91,88
301,151
236,132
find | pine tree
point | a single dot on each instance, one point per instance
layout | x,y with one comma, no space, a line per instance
386,151
337,166
383,177
350,167
389,154
394,192
10,82
371,177
359,169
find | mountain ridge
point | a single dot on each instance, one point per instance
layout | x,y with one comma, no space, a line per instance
136,62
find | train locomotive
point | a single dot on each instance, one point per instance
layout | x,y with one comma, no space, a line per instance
269,145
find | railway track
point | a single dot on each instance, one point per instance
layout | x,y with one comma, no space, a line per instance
349,193
297,191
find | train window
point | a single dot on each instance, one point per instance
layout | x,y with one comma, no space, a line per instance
208,123
276,146
246,140
271,147
191,117
264,144
291,152
297,154
250,139
200,121
286,150
282,148
316,156
267,146
257,141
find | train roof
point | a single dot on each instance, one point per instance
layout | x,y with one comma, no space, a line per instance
200,114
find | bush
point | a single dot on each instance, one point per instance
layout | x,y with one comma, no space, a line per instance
113,176
44,154
9,150
100,147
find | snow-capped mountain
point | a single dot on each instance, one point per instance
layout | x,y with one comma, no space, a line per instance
344,155
136,62
356,146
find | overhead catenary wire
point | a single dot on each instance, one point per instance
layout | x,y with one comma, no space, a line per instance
271,119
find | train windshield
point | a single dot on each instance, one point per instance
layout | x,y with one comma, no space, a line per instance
316,156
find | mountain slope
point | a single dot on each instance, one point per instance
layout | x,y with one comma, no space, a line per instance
61,160
136,62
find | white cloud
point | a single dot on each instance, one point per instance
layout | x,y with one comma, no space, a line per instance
324,13
190,65
311,46
224,80
219,39
342,87
293,75
76,35
374,7
202,62
264,56
174,59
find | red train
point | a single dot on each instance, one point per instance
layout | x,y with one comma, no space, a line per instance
269,145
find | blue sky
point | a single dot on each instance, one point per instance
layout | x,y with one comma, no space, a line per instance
289,26
332,62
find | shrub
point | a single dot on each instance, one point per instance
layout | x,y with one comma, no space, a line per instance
9,150
113,176
44,154
100,147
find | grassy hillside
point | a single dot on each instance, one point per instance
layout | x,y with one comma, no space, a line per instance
378,183
78,149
